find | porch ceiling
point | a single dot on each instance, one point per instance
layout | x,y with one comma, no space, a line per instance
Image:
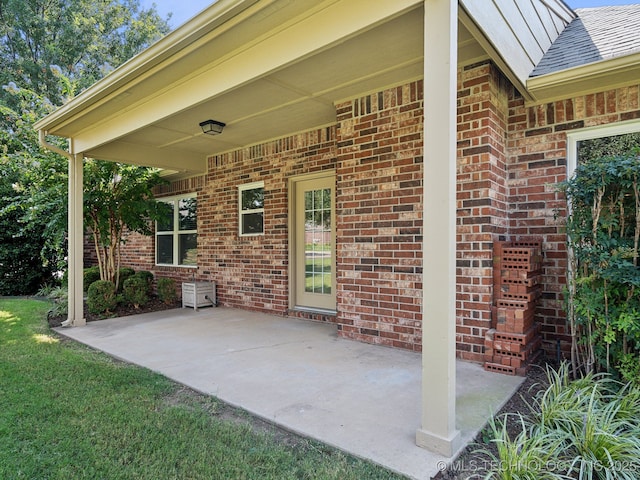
266,69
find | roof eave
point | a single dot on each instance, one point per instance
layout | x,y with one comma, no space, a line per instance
212,17
491,50
584,79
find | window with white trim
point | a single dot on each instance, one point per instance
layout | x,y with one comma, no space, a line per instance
574,138
251,209
177,234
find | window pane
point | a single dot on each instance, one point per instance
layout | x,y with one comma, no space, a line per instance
188,249
252,199
164,249
166,224
187,214
592,149
252,223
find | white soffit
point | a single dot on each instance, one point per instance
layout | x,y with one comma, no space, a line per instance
271,69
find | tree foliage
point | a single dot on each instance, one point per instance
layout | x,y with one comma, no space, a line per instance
604,238
118,199
51,50
22,269
32,236
58,48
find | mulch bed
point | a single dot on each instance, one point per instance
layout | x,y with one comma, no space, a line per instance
154,305
474,464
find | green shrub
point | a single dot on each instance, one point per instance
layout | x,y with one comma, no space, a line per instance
59,296
101,297
124,274
527,455
22,243
603,227
135,291
90,275
583,429
147,276
167,290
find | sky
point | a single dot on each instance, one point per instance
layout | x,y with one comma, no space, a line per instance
183,10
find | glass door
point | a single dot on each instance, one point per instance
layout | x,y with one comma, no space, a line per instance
314,256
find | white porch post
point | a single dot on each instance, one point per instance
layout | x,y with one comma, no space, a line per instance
76,251
438,432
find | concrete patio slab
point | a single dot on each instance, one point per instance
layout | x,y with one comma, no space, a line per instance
363,399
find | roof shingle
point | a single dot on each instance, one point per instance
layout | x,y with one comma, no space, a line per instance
596,34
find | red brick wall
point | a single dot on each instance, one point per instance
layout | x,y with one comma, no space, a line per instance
139,250
537,150
481,199
252,272
379,225
376,151
510,158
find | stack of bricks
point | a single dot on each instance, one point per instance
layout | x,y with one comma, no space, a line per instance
514,342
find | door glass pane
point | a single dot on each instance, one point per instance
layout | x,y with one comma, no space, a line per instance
317,239
164,249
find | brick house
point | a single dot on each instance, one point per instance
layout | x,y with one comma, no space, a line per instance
373,153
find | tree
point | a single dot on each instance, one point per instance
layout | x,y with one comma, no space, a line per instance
118,199
32,237
22,269
58,48
603,231
50,50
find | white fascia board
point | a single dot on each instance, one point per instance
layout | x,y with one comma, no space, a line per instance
172,44
332,22
584,79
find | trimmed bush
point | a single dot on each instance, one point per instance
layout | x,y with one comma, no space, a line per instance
101,297
147,276
135,291
124,274
90,275
167,290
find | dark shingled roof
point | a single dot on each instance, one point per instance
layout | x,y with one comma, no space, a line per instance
596,34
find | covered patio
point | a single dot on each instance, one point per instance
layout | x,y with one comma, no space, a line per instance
361,398
274,71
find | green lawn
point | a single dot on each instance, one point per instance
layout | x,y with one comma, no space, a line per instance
67,412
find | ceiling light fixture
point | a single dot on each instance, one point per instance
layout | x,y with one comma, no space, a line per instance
212,127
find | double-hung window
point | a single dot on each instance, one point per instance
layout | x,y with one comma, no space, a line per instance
251,205
176,233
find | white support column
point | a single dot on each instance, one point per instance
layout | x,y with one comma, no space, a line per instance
438,432
76,241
